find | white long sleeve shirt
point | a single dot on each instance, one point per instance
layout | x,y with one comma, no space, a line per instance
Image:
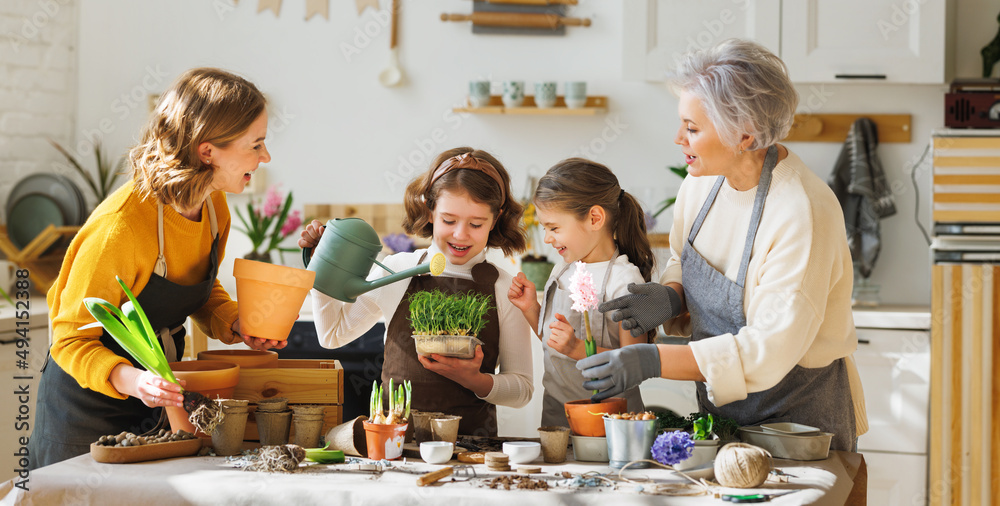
797,297
339,323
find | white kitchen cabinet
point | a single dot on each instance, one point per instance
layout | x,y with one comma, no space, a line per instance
882,40
658,32
821,41
893,359
896,478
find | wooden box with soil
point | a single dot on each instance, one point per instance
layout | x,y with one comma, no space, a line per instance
318,382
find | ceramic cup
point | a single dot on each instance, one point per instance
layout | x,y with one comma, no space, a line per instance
479,93
436,452
513,93
545,94
576,94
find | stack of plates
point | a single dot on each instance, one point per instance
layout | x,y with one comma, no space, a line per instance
40,200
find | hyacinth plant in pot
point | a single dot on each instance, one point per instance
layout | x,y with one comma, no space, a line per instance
695,443
130,328
268,224
385,432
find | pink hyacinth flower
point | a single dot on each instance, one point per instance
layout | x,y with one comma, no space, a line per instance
582,289
292,223
272,203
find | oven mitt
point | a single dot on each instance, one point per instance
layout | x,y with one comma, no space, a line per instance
649,305
616,371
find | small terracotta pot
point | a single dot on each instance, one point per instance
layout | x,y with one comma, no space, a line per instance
211,378
246,359
227,438
385,441
269,297
584,416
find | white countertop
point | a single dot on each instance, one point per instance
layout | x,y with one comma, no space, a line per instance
893,317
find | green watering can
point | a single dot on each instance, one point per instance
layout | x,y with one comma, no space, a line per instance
344,256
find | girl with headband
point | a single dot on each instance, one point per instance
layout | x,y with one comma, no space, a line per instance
462,203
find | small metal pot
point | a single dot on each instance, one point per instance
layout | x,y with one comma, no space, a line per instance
629,440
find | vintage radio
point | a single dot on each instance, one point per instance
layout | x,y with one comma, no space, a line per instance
973,103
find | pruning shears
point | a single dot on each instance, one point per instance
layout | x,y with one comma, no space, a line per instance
751,498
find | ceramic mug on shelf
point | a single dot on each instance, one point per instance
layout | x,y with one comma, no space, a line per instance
513,93
479,93
545,94
576,94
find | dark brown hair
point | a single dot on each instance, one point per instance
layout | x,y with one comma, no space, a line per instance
575,185
421,198
202,105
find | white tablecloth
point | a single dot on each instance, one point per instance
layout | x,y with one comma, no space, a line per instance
214,481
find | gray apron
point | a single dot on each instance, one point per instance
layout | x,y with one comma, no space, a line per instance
820,397
69,417
562,381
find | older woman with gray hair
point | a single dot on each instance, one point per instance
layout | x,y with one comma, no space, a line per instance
760,274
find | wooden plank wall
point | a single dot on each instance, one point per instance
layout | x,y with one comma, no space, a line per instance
965,362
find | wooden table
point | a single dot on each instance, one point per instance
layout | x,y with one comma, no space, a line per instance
214,480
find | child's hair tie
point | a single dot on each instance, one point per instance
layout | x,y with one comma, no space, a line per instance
467,161
621,194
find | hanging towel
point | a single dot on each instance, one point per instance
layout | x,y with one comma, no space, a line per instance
859,183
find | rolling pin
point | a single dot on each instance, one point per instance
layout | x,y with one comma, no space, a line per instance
516,19
531,2
434,476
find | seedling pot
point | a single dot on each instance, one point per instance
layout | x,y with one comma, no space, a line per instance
385,441
584,416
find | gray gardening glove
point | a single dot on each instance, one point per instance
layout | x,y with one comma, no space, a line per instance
649,305
616,371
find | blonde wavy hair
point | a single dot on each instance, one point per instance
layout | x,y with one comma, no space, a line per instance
202,105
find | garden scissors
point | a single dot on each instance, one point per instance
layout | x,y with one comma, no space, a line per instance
749,498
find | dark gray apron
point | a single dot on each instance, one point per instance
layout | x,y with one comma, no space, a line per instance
820,397
562,381
69,417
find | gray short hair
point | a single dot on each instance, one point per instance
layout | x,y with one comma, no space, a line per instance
744,89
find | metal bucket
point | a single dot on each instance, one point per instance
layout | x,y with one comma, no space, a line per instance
629,440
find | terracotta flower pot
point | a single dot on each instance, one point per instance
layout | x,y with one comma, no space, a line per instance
270,297
246,359
385,441
211,378
585,417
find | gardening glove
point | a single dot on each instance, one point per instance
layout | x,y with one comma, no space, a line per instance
649,305
616,371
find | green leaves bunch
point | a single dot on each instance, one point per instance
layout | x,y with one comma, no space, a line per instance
436,313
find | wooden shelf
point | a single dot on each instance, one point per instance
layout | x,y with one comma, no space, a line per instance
659,240
595,105
43,266
834,127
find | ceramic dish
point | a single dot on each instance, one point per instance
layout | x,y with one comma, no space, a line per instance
702,472
59,188
155,451
30,215
788,446
590,449
796,429
522,452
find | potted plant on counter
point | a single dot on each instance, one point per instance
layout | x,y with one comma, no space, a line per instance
384,432
448,324
534,264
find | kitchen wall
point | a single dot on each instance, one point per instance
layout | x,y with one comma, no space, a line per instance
38,64
338,136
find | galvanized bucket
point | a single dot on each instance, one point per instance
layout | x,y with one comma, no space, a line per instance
629,440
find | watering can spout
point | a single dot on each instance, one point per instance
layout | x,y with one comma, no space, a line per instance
346,254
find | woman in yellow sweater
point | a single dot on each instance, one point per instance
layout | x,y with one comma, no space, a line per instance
164,234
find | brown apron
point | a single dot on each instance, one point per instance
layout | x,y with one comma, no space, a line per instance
431,391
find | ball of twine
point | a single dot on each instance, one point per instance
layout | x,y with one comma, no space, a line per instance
741,465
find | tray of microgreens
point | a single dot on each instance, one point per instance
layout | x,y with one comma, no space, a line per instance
446,324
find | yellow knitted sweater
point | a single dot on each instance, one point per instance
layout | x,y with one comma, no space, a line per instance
119,239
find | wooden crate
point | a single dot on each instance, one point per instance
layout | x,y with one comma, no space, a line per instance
299,381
